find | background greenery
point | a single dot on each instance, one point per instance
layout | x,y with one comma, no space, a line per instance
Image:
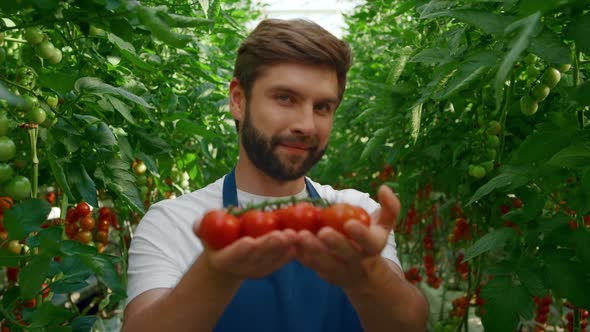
475,112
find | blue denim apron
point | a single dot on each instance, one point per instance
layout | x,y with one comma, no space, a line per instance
292,299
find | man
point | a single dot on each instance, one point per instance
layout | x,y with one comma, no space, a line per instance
289,79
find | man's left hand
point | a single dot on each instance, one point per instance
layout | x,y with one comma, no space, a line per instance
347,260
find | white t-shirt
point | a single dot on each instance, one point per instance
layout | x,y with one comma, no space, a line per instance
164,246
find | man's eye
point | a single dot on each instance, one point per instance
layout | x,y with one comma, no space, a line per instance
324,108
284,98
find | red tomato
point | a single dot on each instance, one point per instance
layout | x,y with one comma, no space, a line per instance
104,212
72,230
102,237
300,216
82,209
362,216
72,216
103,224
219,229
336,215
256,223
87,223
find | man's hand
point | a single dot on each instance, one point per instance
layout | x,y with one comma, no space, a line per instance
252,257
347,261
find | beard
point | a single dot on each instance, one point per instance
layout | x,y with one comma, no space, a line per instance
262,152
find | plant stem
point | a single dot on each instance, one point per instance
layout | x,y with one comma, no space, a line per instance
16,40
16,84
505,107
33,135
576,76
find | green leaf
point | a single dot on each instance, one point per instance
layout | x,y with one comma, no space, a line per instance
123,109
162,31
491,241
26,217
568,278
510,177
86,187
505,304
47,313
468,71
120,43
528,27
486,21
180,21
58,171
95,85
374,143
83,323
581,94
188,127
75,248
549,47
58,81
104,136
548,139
581,195
435,9
579,30
573,157
10,259
431,56
398,64
530,273
50,240
32,276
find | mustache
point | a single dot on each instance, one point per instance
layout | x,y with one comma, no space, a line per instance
307,141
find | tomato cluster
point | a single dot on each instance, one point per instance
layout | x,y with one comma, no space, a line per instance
83,227
413,275
543,308
220,227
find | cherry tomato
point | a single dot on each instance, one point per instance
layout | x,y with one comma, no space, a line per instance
102,237
72,230
14,247
18,188
104,212
256,223
219,229
336,215
300,216
103,225
362,216
72,216
7,148
87,223
82,209
84,237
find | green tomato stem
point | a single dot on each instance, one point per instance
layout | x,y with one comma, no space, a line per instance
276,204
16,40
505,107
576,76
33,135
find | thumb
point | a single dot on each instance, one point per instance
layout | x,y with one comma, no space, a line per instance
390,208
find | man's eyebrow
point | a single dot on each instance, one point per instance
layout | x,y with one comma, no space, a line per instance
284,89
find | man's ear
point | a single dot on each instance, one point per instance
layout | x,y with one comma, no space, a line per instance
237,99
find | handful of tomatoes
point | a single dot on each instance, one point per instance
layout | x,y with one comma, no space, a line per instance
221,227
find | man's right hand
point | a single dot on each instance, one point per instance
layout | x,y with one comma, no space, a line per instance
252,257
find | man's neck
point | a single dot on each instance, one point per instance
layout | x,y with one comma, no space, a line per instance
252,180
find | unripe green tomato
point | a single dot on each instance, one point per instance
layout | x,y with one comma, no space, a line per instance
37,115
52,101
540,91
95,31
27,103
143,191
139,168
46,49
491,154
528,105
18,188
6,172
7,148
530,59
551,77
478,172
4,124
56,57
493,141
564,68
141,180
33,35
494,128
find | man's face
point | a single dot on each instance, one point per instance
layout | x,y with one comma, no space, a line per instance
288,119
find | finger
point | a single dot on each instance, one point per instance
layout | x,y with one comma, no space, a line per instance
339,245
370,241
310,249
390,208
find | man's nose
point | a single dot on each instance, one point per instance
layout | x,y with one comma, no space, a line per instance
304,121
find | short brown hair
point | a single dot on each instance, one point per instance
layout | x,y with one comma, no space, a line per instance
274,41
